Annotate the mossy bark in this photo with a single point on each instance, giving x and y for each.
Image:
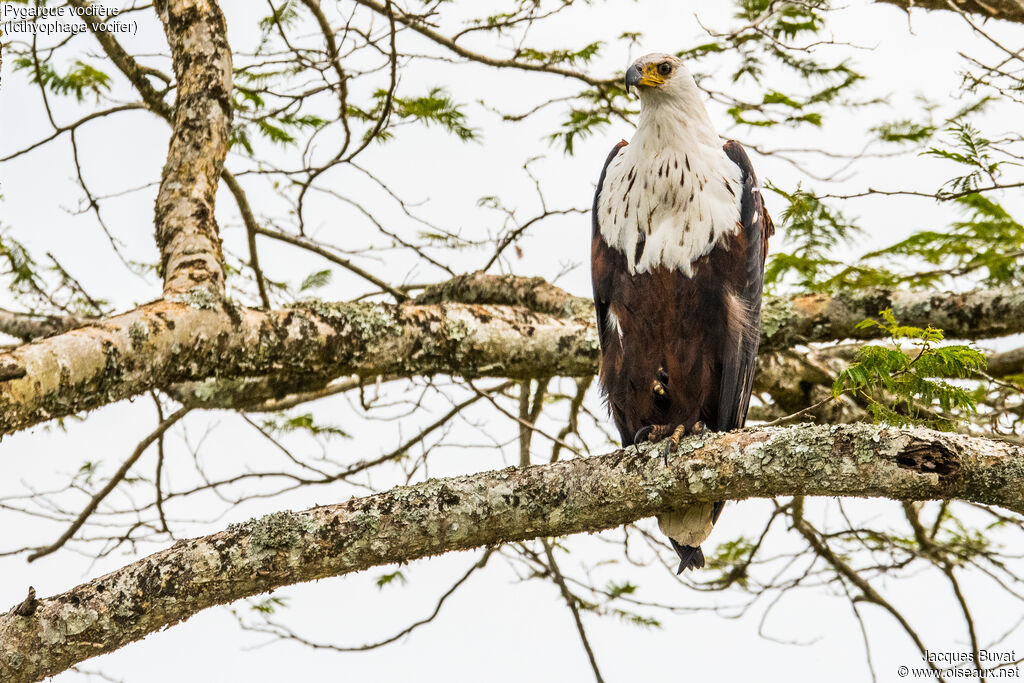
(514, 504)
(186, 230)
(193, 337)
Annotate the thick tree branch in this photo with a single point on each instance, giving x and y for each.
(785, 321)
(509, 290)
(1007, 363)
(193, 337)
(29, 326)
(1009, 10)
(822, 317)
(514, 504)
(186, 230)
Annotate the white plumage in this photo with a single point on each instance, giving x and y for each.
(673, 187)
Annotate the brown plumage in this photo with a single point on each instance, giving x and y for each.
(679, 340)
(670, 323)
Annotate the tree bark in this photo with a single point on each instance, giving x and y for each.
(186, 230)
(514, 504)
(1008, 10)
(193, 336)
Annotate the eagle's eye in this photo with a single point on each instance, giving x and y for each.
(664, 68)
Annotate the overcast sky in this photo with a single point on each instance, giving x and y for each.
(496, 628)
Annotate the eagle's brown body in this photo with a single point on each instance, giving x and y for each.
(679, 322)
(673, 324)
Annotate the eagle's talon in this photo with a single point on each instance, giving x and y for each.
(659, 432)
(652, 433)
(643, 434)
(697, 428)
(677, 434)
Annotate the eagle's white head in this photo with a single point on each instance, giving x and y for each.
(668, 92)
(672, 193)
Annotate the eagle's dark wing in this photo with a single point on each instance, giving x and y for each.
(602, 280)
(740, 356)
(606, 275)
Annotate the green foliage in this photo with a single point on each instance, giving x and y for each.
(283, 15)
(901, 388)
(731, 552)
(731, 560)
(392, 577)
(903, 131)
(280, 128)
(615, 590)
(792, 18)
(770, 52)
(814, 232)
(42, 287)
(968, 148)
(964, 542)
(564, 57)
(436, 108)
(303, 423)
(80, 80)
(989, 242)
(269, 605)
(17, 263)
(635, 619)
(594, 109)
(580, 124)
(85, 473)
(316, 280)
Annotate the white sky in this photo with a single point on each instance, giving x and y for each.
(495, 628)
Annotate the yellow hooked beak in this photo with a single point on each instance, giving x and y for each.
(649, 76)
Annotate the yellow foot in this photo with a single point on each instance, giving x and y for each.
(659, 387)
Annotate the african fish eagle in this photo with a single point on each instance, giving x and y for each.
(680, 234)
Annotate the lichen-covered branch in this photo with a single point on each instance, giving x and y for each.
(509, 290)
(823, 317)
(1007, 363)
(1008, 10)
(29, 326)
(785, 321)
(194, 337)
(186, 230)
(444, 515)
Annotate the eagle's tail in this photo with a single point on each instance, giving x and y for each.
(689, 556)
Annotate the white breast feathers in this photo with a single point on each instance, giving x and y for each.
(667, 200)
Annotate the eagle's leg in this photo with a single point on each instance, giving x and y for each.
(675, 433)
(655, 433)
(672, 442)
(659, 387)
(652, 433)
